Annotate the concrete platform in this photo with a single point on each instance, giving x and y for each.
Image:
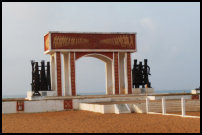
(103, 103)
(195, 91)
(43, 94)
(139, 106)
(142, 90)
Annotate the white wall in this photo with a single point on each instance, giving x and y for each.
(9, 107)
(43, 106)
(34, 106)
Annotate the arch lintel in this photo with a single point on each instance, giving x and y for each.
(105, 55)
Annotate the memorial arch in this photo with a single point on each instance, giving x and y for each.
(114, 49)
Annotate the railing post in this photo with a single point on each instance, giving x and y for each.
(183, 107)
(147, 104)
(163, 106)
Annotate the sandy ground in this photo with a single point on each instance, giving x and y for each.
(90, 122)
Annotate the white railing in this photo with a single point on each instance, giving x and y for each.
(183, 108)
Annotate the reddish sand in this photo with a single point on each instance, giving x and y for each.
(89, 122)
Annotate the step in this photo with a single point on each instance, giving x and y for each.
(121, 108)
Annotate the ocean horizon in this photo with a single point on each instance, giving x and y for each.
(100, 93)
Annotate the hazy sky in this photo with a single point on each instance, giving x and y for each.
(168, 35)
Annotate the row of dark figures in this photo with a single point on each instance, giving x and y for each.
(41, 80)
(40, 77)
(140, 74)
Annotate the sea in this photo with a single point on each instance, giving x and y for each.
(102, 93)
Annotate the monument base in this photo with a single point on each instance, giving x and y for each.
(35, 98)
(95, 103)
(195, 91)
(136, 90)
(43, 94)
(142, 90)
(148, 90)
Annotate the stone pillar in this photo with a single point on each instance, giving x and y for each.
(129, 73)
(126, 73)
(59, 77)
(53, 72)
(122, 74)
(72, 65)
(109, 82)
(67, 84)
(116, 72)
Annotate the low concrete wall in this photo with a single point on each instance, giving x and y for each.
(109, 108)
(34, 106)
(44, 106)
(97, 108)
(47, 105)
(76, 102)
(60, 104)
(91, 107)
(9, 107)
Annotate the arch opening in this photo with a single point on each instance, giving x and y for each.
(90, 76)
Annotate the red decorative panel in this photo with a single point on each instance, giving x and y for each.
(59, 81)
(195, 96)
(20, 105)
(116, 72)
(107, 54)
(73, 85)
(129, 73)
(94, 41)
(68, 104)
